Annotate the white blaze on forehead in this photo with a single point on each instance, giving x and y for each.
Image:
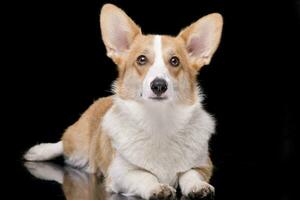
(159, 64)
(157, 70)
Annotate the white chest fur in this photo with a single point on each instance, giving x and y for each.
(161, 138)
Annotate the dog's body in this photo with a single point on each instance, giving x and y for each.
(153, 133)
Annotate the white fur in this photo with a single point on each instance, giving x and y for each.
(130, 180)
(46, 171)
(79, 161)
(192, 182)
(44, 151)
(161, 138)
(52, 172)
(157, 70)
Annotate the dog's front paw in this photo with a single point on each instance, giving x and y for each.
(163, 192)
(201, 190)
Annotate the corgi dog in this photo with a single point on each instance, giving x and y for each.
(151, 136)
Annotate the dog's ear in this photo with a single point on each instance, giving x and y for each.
(118, 31)
(202, 39)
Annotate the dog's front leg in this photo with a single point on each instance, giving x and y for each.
(130, 180)
(193, 184)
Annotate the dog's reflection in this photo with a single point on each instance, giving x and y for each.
(77, 185)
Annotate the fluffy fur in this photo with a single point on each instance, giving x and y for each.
(144, 144)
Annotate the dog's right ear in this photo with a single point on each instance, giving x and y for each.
(118, 31)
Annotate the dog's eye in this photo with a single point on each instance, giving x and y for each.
(142, 60)
(174, 61)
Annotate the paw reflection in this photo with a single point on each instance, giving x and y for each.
(76, 184)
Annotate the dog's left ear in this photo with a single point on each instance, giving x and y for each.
(202, 39)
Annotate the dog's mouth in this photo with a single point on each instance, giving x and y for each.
(159, 98)
(155, 98)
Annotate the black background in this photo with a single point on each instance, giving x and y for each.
(57, 67)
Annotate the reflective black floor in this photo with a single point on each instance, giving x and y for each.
(67, 183)
(49, 180)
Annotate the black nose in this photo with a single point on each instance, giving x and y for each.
(159, 86)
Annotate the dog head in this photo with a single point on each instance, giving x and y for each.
(158, 68)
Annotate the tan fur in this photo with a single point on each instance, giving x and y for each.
(77, 186)
(184, 73)
(173, 46)
(206, 172)
(85, 137)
